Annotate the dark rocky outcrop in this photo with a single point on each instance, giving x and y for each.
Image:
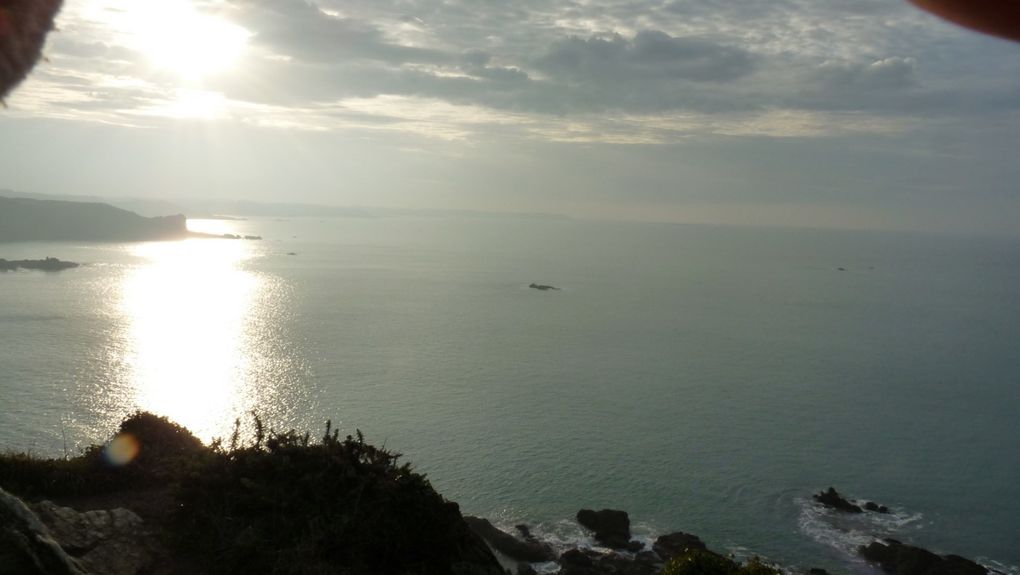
(872, 506)
(901, 559)
(543, 287)
(611, 526)
(528, 551)
(675, 544)
(587, 562)
(832, 499)
(26, 546)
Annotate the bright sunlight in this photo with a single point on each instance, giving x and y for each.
(179, 39)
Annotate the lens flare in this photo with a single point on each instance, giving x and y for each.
(121, 450)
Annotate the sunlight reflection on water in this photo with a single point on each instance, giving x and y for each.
(188, 310)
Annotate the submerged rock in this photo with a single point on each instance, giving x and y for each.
(832, 499)
(611, 526)
(528, 551)
(901, 559)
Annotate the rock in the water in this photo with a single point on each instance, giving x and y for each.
(900, 559)
(611, 527)
(543, 287)
(578, 562)
(528, 551)
(817, 571)
(872, 506)
(831, 498)
(676, 544)
(106, 542)
(26, 545)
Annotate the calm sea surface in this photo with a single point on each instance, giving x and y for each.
(703, 379)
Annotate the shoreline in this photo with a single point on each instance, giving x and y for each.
(141, 474)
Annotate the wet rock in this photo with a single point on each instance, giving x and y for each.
(832, 499)
(527, 551)
(26, 545)
(106, 542)
(675, 544)
(901, 559)
(584, 562)
(611, 527)
(872, 506)
(817, 571)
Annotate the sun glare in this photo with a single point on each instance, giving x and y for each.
(188, 307)
(179, 39)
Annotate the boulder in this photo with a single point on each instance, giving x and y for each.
(527, 551)
(675, 544)
(901, 559)
(106, 542)
(611, 527)
(832, 499)
(26, 545)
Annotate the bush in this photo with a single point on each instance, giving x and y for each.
(701, 562)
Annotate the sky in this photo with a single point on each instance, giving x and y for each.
(823, 113)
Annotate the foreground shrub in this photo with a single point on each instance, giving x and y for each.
(701, 562)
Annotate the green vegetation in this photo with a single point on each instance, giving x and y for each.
(701, 562)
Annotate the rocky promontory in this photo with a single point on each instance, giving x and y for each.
(29, 220)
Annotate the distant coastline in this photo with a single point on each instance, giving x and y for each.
(28, 220)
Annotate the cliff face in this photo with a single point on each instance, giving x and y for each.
(25, 220)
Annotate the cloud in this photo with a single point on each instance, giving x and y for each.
(731, 63)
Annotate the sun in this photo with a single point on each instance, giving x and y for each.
(177, 38)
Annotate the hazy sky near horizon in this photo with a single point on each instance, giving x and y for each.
(849, 113)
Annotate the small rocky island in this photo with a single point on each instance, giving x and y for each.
(48, 265)
(543, 287)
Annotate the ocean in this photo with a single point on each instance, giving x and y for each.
(704, 379)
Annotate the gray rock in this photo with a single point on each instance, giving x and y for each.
(106, 542)
(26, 545)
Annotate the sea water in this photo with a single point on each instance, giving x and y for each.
(704, 379)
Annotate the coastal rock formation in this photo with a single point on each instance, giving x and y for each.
(543, 287)
(611, 526)
(26, 545)
(528, 551)
(901, 559)
(676, 544)
(832, 499)
(872, 506)
(106, 542)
